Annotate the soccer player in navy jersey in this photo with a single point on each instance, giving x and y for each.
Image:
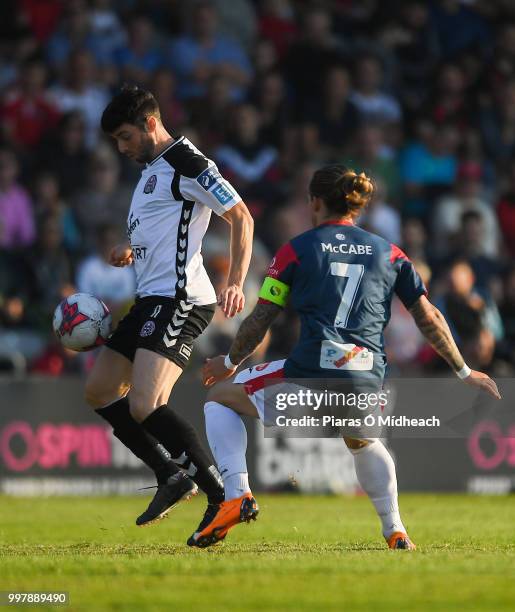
(340, 279)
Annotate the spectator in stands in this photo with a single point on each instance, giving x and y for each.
(466, 311)
(506, 213)
(210, 114)
(414, 239)
(428, 166)
(467, 196)
(497, 122)
(250, 165)
(142, 54)
(381, 218)
(203, 53)
(104, 201)
(237, 20)
(415, 47)
(80, 29)
(277, 24)
(329, 123)
(404, 343)
(449, 103)
(370, 152)
(16, 216)
(164, 87)
(265, 58)
(80, 92)
(64, 153)
(309, 58)
(371, 101)
(469, 245)
(107, 30)
(270, 98)
(115, 286)
(294, 217)
(48, 202)
(28, 112)
(49, 272)
(41, 16)
(459, 27)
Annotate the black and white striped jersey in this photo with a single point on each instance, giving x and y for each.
(168, 217)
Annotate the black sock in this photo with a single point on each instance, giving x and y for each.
(136, 439)
(181, 440)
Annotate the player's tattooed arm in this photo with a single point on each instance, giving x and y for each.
(435, 329)
(252, 331)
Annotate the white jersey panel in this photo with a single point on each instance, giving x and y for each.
(169, 215)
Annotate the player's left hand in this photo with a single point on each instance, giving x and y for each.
(214, 371)
(231, 300)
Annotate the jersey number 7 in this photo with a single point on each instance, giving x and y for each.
(354, 274)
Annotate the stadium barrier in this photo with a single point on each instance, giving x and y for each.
(51, 443)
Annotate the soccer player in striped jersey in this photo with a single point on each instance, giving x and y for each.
(134, 374)
(340, 279)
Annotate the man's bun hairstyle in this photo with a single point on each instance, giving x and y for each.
(132, 105)
(342, 190)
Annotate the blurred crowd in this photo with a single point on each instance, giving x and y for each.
(420, 95)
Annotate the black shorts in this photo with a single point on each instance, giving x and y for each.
(164, 325)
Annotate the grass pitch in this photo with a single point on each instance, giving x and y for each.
(303, 553)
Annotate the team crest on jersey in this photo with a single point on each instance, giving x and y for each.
(147, 329)
(150, 185)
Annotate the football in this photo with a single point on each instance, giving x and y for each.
(82, 322)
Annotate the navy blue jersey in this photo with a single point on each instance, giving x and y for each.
(340, 279)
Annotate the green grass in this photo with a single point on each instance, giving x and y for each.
(303, 553)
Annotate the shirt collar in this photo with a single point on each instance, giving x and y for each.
(165, 150)
(336, 222)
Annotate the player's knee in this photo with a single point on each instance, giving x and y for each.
(92, 394)
(141, 406)
(215, 394)
(355, 444)
(98, 395)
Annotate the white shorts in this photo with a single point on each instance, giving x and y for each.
(270, 377)
(254, 378)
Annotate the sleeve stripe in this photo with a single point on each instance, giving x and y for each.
(397, 253)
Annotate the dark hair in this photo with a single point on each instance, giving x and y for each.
(342, 190)
(131, 105)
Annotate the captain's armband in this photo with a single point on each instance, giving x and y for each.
(274, 291)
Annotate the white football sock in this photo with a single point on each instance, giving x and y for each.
(375, 470)
(227, 438)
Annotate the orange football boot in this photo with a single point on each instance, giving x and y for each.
(400, 541)
(230, 513)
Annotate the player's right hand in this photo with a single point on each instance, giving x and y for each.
(214, 371)
(120, 256)
(483, 381)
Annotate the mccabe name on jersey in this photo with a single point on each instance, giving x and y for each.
(340, 279)
(168, 217)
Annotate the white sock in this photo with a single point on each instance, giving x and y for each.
(227, 438)
(375, 470)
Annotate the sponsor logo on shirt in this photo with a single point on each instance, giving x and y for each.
(139, 252)
(132, 224)
(150, 185)
(211, 180)
(208, 178)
